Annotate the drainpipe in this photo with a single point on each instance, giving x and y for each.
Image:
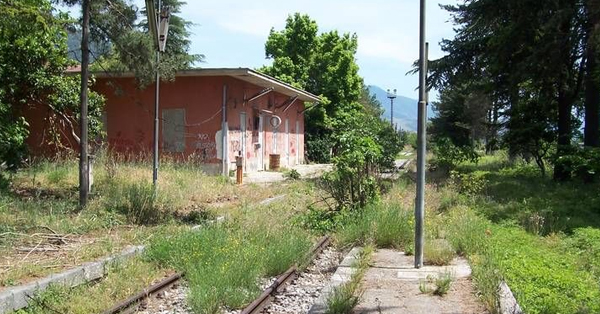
(224, 131)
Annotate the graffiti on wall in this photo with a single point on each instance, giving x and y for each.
(205, 146)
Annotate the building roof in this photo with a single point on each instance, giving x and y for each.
(244, 74)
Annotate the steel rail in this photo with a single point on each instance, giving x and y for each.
(138, 297)
(292, 273)
(258, 305)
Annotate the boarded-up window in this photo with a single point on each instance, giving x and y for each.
(173, 130)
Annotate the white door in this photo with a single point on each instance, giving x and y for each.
(275, 133)
(287, 140)
(261, 143)
(243, 136)
(297, 142)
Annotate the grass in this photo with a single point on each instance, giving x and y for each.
(386, 226)
(537, 235)
(438, 285)
(345, 297)
(224, 262)
(97, 297)
(125, 210)
(438, 253)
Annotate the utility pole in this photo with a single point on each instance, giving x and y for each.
(391, 96)
(421, 143)
(158, 25)
(84, 177)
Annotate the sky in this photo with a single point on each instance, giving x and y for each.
(232, 33)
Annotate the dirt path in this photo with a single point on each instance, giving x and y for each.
(391, 285)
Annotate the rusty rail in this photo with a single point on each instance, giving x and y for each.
(255, 307)
(292, 273)
(154, 289)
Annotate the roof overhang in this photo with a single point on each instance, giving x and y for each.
(244, 74)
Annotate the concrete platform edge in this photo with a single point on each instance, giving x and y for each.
(342, 275)
(18, 297)
(506, 300)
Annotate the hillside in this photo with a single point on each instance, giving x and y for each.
(405, 109)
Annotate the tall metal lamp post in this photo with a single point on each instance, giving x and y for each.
(392, 96)
(421, 142)
(158, 25)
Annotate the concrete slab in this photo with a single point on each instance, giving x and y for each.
(391, 285)
(306, 172)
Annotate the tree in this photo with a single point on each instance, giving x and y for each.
(33, 54)
(592, 75)
(125, 45)
(527, 54)
(323, 64)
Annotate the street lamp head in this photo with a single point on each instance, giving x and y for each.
(391, 95)
(163, 28)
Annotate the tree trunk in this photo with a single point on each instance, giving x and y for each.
(592, 82)
(564, 135)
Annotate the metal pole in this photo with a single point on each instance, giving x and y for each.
(421, 148)
(392, 114)
(83, 119)
(224, 148)
(156, 110)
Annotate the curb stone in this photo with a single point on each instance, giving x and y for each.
(507, 302)
(342, 275)
(18, 297)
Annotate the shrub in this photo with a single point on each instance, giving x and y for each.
(468, 183)
(320, 220)
(140, 203)
(293, 174)
(581, 163)
(448, 155)
(438, 253)
(387, 227)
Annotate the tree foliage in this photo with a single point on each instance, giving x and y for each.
(527, 61)
(128, 45)
(33, 60)
(346, 127)
(323, 64)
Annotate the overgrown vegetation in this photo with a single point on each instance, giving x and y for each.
(521, 76)
(223, 263)
(345, 297)
(96, 297)
(533, 233)
(438, 285)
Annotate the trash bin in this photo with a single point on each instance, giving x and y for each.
(274, 162)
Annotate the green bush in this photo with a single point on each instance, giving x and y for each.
(448, 156)
(581, 163)
(468, 183)
(293, 174)
(320, 220)
(140, 203)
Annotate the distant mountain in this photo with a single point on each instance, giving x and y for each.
(405, 109)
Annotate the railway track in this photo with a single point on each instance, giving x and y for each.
(258, 305)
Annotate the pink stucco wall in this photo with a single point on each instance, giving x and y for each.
(129, 120)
